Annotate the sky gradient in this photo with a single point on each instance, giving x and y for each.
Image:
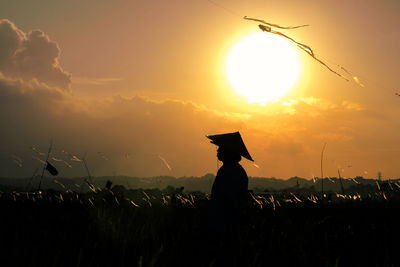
(135, 84)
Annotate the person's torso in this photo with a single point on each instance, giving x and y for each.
(230, 182)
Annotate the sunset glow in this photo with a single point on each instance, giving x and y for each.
(140, 80)
(209, 132)
(263, 67)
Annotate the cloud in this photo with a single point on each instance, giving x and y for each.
(31, 55)
(283, 144)
(350, 105)
(94, 81)
(10, 39)
(30, 97)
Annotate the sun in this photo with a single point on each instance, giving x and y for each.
(263, 67)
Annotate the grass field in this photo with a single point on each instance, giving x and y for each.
(107, 228)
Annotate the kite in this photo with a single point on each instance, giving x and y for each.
(304, 47)
(269, 27)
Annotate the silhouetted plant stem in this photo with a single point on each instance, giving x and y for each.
(322, 170)
(45, 164)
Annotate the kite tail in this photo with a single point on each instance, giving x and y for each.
(355, 78)
(338, 74)
(309, 51)
(276, 25)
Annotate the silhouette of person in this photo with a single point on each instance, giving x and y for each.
(229, 192)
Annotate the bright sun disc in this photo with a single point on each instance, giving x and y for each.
(263, 67)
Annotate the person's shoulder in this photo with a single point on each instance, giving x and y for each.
(221, 170)
(241, 169)
(239, 166)
(227, 169)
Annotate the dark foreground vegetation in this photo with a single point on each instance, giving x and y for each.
(158, 228)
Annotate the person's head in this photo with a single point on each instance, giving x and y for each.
(228, 156)
(231, 147)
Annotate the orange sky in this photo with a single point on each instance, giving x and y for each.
(136, 80)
